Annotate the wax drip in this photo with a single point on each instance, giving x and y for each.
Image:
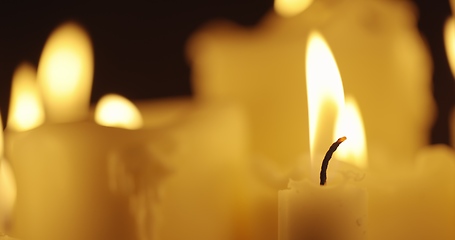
(327, 157)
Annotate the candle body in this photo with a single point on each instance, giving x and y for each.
(183, 171)
(62, 183)
(309, 211)
(414, 201)
(203, 196)
(381, 57)
(63, 178)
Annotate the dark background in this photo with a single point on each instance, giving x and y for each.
(139, 46)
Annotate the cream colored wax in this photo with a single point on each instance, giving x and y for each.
(310, 211)
(200, 194)
(414, 201)
(379, 52)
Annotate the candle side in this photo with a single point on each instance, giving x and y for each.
(310, 211)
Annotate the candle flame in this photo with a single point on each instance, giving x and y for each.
(26, 110)
(325, 93)
(290, 8)
(116, 111)
(449, 40)
(1, 138)
(350, 123)
(65, 74)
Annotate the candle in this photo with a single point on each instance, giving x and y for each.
(204, 161)
(104, 176)
(60, 165)
(415, 201)
(308, 211)
(337, 210)
(7, 188)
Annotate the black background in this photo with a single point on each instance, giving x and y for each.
(139, 45)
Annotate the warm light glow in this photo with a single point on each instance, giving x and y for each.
(65, 74)
(325, 94)
(1, 138)
(116, 111)
(290, 8)
(449, 39)
(26, 109)
(350, 124)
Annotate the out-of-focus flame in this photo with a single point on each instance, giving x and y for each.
(116, 111)
(26, 109)
(350, 124)
(449, 40)
(65, 74)
(290, 8)
(325, 94)
(7, 186)
(1, 138)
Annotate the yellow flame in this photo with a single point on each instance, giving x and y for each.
(350, 124)
(1, 137)
(290, 8)
(26, 109)
(449, 40)
(116, 111)
(65, 74)
(325, 93)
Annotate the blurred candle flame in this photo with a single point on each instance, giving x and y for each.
(325, 94)
(449, 40)
(116, 111)
(290, 8)
(26, 110)
(350, 124)
(65, 74)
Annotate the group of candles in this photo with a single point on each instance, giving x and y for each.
(218, 166)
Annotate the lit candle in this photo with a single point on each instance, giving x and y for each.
(60, 164)
(71, 169)
(337, 210)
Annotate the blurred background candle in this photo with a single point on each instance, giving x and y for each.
(61, 166)
(72, 169)
(7, 189)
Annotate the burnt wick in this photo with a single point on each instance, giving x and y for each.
(327, 157)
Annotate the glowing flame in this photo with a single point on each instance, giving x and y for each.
(449, 39)
(1, 138)
(26, 110)
(350, 124)
(325, 93)
(65, 74)
(116, 111)
(290, 8)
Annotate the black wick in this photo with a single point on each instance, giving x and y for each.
(327, 157)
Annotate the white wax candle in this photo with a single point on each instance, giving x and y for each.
(198, 193)
(414, 201)
(310, 211)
